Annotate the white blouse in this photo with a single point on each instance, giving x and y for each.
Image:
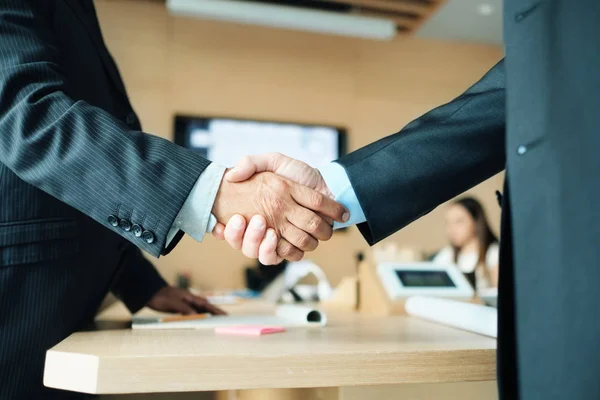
(467, 262)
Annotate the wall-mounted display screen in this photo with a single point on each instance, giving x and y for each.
(227, 140)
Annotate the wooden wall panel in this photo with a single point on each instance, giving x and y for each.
(176, 65)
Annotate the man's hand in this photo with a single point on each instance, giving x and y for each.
(289, 168)
(300, 215)
(253, 239)
(176, 300)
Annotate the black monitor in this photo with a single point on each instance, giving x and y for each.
(422, 278)
(226, 140)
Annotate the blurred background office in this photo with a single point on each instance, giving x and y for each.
(196, 74)
(473, 246)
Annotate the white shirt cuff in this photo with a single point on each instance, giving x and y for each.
(195, 216)
(337, 181)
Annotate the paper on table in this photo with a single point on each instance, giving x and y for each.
(288, 316)
(470, 317)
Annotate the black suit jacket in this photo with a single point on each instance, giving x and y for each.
(536, 111)
(73, 163)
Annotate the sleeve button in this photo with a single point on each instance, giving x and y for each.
(113, 220)
(131, 119)
(125, 225)
(137, 230)
(148, 237)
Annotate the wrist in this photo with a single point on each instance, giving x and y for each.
(220, 205)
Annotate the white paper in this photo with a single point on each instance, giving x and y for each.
(470, 317)
(288, 316)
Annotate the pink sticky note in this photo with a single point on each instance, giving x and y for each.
(248, 330)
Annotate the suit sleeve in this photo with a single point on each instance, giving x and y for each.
(434, 158)
(137, 280)
(76, 152)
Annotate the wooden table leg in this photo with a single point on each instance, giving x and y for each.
(280, 394)
(431, 391)
(486, 390)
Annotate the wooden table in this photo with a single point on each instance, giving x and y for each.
(353, 350)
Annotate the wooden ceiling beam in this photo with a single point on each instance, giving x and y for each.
(408, 23)
(389, 5)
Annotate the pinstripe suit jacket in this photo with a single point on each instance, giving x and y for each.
(81, 187)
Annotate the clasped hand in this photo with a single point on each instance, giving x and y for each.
(287, 202)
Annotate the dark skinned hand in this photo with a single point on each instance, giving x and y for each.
(175, 300)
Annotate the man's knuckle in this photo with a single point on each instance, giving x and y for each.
(304, 241)
(285, 249)
(280, 185)
(277, 206)
(317, 199)
(314, 224)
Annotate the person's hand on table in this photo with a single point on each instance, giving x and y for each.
(277, 207)
(176, 300)
(255, 239)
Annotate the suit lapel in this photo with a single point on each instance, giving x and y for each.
(90, 22)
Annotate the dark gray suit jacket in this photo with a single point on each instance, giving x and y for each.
(538, 112)
(81, 187)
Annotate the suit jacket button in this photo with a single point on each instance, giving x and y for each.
(148, 237)
(137, 230)
(522, 149)
(113, 220)
(125, 225)
(131, 119)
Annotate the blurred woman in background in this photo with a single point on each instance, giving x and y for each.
(473, 246)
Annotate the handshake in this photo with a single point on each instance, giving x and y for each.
(287, 203)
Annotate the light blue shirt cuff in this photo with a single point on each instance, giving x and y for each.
(339, 185)
(195, 216)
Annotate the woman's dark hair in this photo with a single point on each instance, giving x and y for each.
(482, 227)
